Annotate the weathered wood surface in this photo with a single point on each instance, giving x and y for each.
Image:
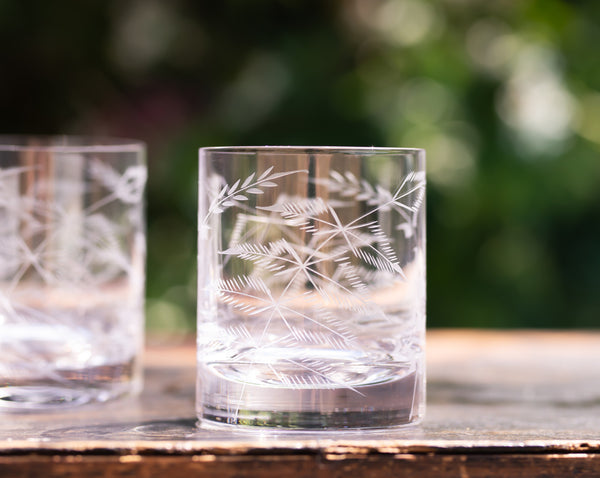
(499, 404)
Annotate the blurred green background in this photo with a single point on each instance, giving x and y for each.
(504, 95)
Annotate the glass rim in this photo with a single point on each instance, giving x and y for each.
(312, 149)
(69, 143)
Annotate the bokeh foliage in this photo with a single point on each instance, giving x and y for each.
(504, 95)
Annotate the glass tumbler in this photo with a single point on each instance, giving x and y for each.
(72, 270)
(311, 287)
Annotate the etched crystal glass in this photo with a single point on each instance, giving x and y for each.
(72, 270)
(311, 287)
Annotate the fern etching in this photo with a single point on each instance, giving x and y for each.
(300, 262)
(62, 242)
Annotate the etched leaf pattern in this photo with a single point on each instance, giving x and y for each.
(59, 241)
(315, 264)
(231, 195)
(406, 200)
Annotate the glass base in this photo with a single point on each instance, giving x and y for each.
(392, 403)
(42, 398)
(70, 388)
(48, 398)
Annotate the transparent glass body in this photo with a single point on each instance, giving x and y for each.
(311, 287)
(72, 270)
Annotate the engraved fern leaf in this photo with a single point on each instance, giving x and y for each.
(232, 195)
(247, 294)
(308, 337)
(317, 373)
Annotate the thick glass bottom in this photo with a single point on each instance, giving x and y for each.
(69, 388)
(391, 402)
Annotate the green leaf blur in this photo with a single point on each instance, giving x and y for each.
(505, 97)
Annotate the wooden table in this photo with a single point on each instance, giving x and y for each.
(521, 404)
